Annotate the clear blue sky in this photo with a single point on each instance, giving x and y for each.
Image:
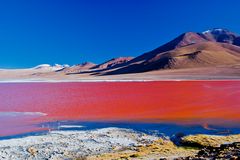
(72, 31)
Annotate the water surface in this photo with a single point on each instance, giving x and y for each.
(24, 106)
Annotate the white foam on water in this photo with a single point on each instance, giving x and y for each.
(71, 126)
(16, 114)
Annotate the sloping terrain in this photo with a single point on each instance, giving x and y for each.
(113, 62)
(215, 47)
(203, 54)
(78, 68)
(220, 35)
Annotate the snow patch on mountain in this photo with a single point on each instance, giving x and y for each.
(51, 67)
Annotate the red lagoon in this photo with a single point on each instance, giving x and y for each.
(130, 101)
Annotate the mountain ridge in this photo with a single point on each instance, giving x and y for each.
(159, 59)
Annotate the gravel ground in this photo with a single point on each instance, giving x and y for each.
(71, 144)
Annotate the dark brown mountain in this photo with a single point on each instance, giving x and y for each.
(182, 40)
(203, 54)
(190, 50)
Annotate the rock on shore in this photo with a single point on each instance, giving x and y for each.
(225, 151)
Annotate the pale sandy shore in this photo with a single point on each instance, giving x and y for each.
(33, 75)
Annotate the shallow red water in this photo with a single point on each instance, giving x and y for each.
(163, 100)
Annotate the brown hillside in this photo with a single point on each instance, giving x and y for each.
(196, 55)
(113, 62)
(78, 68)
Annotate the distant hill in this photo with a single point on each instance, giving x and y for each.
(78, 68)
(50, 67)
(220, 35)
(113, 62)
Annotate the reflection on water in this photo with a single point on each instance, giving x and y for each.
(20, 114)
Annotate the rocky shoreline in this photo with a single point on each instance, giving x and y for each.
(117, 143)
(71, 144)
